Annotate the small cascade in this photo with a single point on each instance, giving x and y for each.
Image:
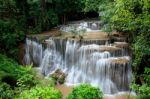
(99, 68)
(33, 52)
(95, 61)
(88, 26)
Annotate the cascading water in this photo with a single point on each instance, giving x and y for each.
(33, 52)
(87, 26)
(96, 62)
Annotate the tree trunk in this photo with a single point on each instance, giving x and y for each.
(43, 5)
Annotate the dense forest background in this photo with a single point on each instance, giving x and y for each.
(19, 18)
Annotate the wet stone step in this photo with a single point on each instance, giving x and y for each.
(119, 39)
(121, 44)
(113, 50)
(121, 60)
(95, 47)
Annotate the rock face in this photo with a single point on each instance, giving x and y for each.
(94, 59)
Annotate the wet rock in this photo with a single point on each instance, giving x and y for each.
(119, 39)
(59, 76)
(120, 61)
(121, 44)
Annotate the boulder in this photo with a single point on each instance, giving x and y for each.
(59, 76)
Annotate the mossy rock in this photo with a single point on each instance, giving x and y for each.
(59, 76)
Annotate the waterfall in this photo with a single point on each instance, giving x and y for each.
(33, 52)
(97, 62)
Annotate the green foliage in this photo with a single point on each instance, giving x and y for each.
(141, 47)
(26, 81)
(42, 18)
(91, 5)
(70, 6)
(5, 91)
(132, 15)
(147, 75)
(40, 93)
(48, 13)
(15, 75)
(143, 89)
(143, 97)
(11, 34)
(123, 16)
(9, 66)
(18, 18)
(15, 78)
(11, 28)
(44, 82)
(85, 91)
(106, 10)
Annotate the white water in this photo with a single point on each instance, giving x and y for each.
(33, 52)
(83, 62)
(90, 26)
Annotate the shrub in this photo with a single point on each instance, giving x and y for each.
(48, 81)
(18, 77)
(85, 91)
(147, 75)
(143, 89)
(26, 81)
(10, 80)
(11, 34)
(5, 91)
(143, 97)
(9, 66)
(40, 93)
